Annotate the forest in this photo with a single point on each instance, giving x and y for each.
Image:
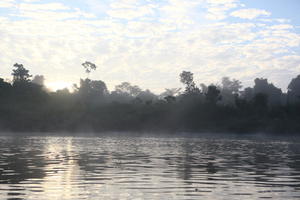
(26, 105)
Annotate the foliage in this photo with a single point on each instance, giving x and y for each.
(294, 90)
(212, 95)
(187, 79)
(20, 73)
(27, 106)
(89, 66)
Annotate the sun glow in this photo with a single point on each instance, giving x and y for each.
(58, 85)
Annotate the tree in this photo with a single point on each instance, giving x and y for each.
(229, 90)
(170, 99)
(187, 79)
(88, 66)
(126, 88)
(294, 90)
(147, 96)
(203, 88)
(4, 88)
(89, 88)
(172, 92)
(248, 94)
(260, 101)
(38, 79)
(212, 95)
(273, 93)
(231, 86)
(20, 74)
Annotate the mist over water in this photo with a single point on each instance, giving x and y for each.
(129, 167)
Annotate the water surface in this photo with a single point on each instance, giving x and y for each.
(131, 167)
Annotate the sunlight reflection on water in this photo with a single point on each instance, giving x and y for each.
(148, 168)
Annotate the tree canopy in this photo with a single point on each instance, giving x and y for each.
(27, 105)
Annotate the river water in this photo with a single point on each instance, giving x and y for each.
(130, 167)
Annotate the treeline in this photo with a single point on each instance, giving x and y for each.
(27, 106)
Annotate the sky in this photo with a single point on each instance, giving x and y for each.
(150, 42)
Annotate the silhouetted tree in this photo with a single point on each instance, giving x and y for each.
(92, 90)
(4, 85)
(241, 103)
(294, 90)
(212, 95)
(273, 93)
(260, 101)
(88, 66)
(187, 79)
(248, 94)
(26, 106)
(5, 91)
(20, 74)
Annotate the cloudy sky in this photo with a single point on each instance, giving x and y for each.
(149, 42)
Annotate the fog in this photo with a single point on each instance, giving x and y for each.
(26, 105)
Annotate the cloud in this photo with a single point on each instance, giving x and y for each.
(42, 7)
(281, 26)
(31, 1)
(49, 11)
(221, 1)
(249, 13)
(146, 42)
(7, 3)
(217, 9)
(130, 13)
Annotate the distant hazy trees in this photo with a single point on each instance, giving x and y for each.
(260, 101)
(125, 88)
(5, 88)
(169, 95)
(38, 79)
(126, 92)
(92, 90)
(213, 95)
(231, 86)
(273, 94)
(294, 90)
(25, 105)
(229, 90)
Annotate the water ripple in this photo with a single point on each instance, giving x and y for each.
(47, 168)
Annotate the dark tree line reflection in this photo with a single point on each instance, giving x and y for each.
(26, 105)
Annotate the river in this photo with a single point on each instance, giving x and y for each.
(149, 167)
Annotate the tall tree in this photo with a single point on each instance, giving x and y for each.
(89, 66)
(20, 74)
(187, 79)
